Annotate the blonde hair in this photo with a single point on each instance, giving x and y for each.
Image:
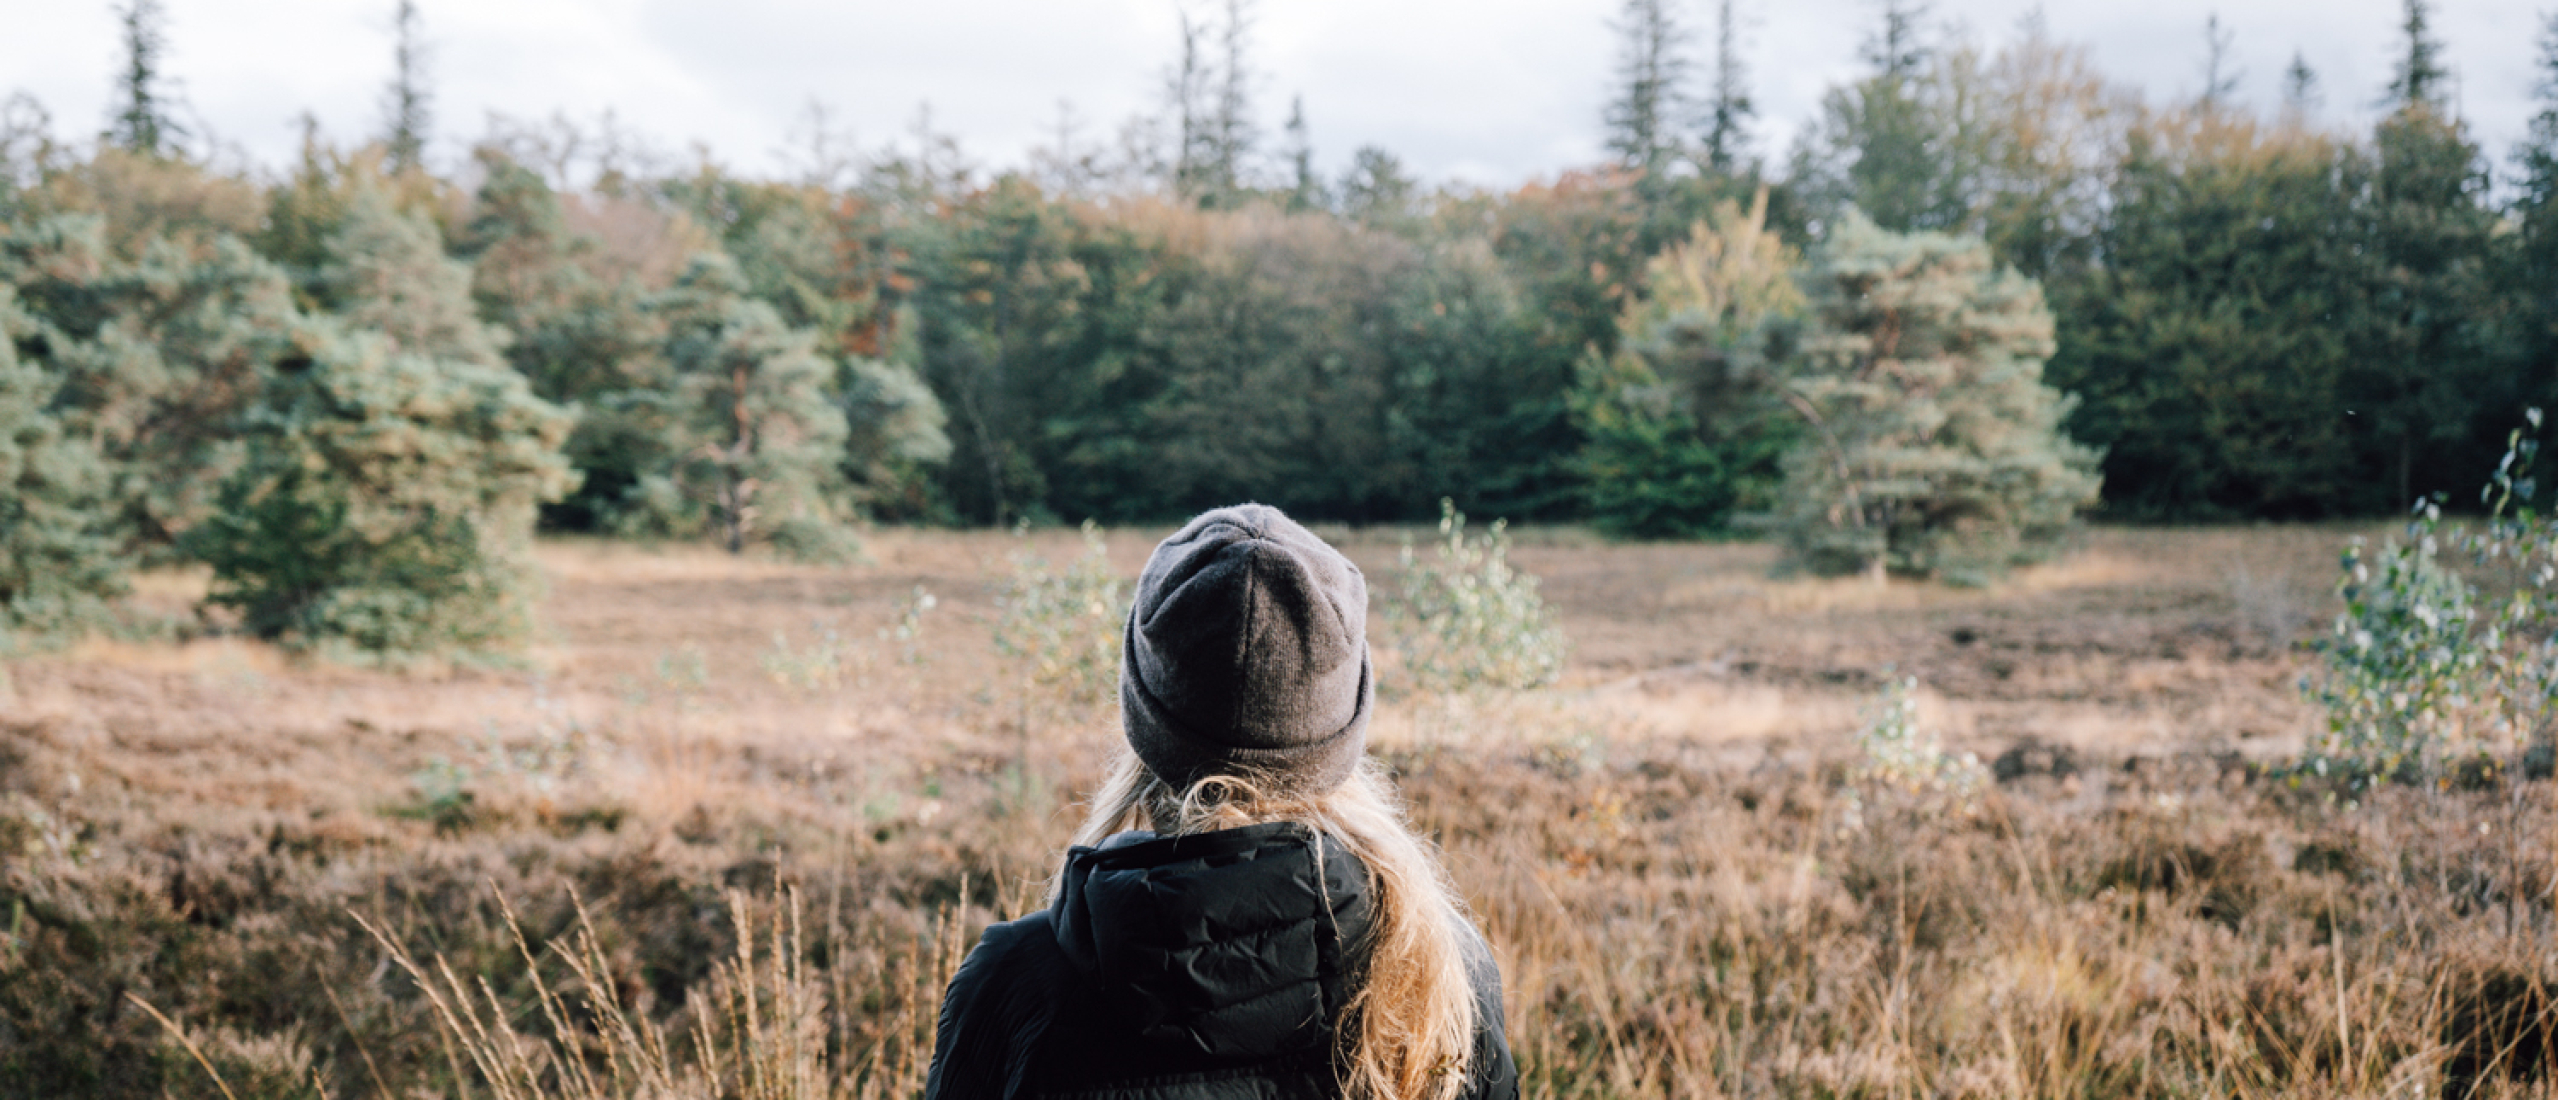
(1407, 1032)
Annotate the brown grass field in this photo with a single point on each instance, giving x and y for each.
(1688, 896)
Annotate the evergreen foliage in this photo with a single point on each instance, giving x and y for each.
(1887, 145)
(1684, 426)
(405, 104)
(386, 502)
(2212, 350)
(1643, 118)
(1729, 109)
(1934, 446)
(750, 444)
(145, 113)
(155, 358)
(2417, 77)
(387, 272)
(59, 554)
(2259, 318)
(2534, 267)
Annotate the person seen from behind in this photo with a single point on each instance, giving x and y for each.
(1244, 912)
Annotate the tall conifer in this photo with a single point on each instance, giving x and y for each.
(406, 102)
(1933, 446)
(1651, 74)
(1728, 113)
(145, 111)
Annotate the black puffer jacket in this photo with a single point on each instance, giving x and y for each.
(1210, 966)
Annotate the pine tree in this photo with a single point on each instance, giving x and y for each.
(1888, 145)
(1932, 445)
(405, 103)
(2425, 368)
(157, 357)
(754, 441)
(60, 556)
(1728, 115)
(385, 507)
(387, 272)
(1643, 116)
(145, 113)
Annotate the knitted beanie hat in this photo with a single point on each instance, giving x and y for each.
(1247, 654)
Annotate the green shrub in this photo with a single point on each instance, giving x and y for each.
(385, 504)
(1894, 751)
(1064, 624)
(2422, 670)
(1464, 619)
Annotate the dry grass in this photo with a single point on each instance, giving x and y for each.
(1685, 898)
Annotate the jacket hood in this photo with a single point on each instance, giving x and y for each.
(1229, 944)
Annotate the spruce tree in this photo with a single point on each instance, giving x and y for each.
(2426, 365)
(1644, 113)
(2417, 77)
(405, 104)
(1887, 144)
(1932, 446)
(1729, 111)
(145, 112)
(2214, 348)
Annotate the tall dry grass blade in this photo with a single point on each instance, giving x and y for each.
(372, 1069)
(450, 1029)
(181, 1036)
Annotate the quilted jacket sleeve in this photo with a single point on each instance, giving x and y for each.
(991, 1019)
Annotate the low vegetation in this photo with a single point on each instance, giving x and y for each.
(651, 847)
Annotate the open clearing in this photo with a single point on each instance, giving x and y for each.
(1686, 896)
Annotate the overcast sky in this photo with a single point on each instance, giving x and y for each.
(1483, 91)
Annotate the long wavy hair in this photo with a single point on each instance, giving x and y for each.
(1408, 1030)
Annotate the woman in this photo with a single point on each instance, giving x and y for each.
(1244, 913)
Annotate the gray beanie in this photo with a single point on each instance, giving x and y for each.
(1247, 654)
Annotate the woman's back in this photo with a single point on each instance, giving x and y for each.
(1211, 965)
(1290, 935)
